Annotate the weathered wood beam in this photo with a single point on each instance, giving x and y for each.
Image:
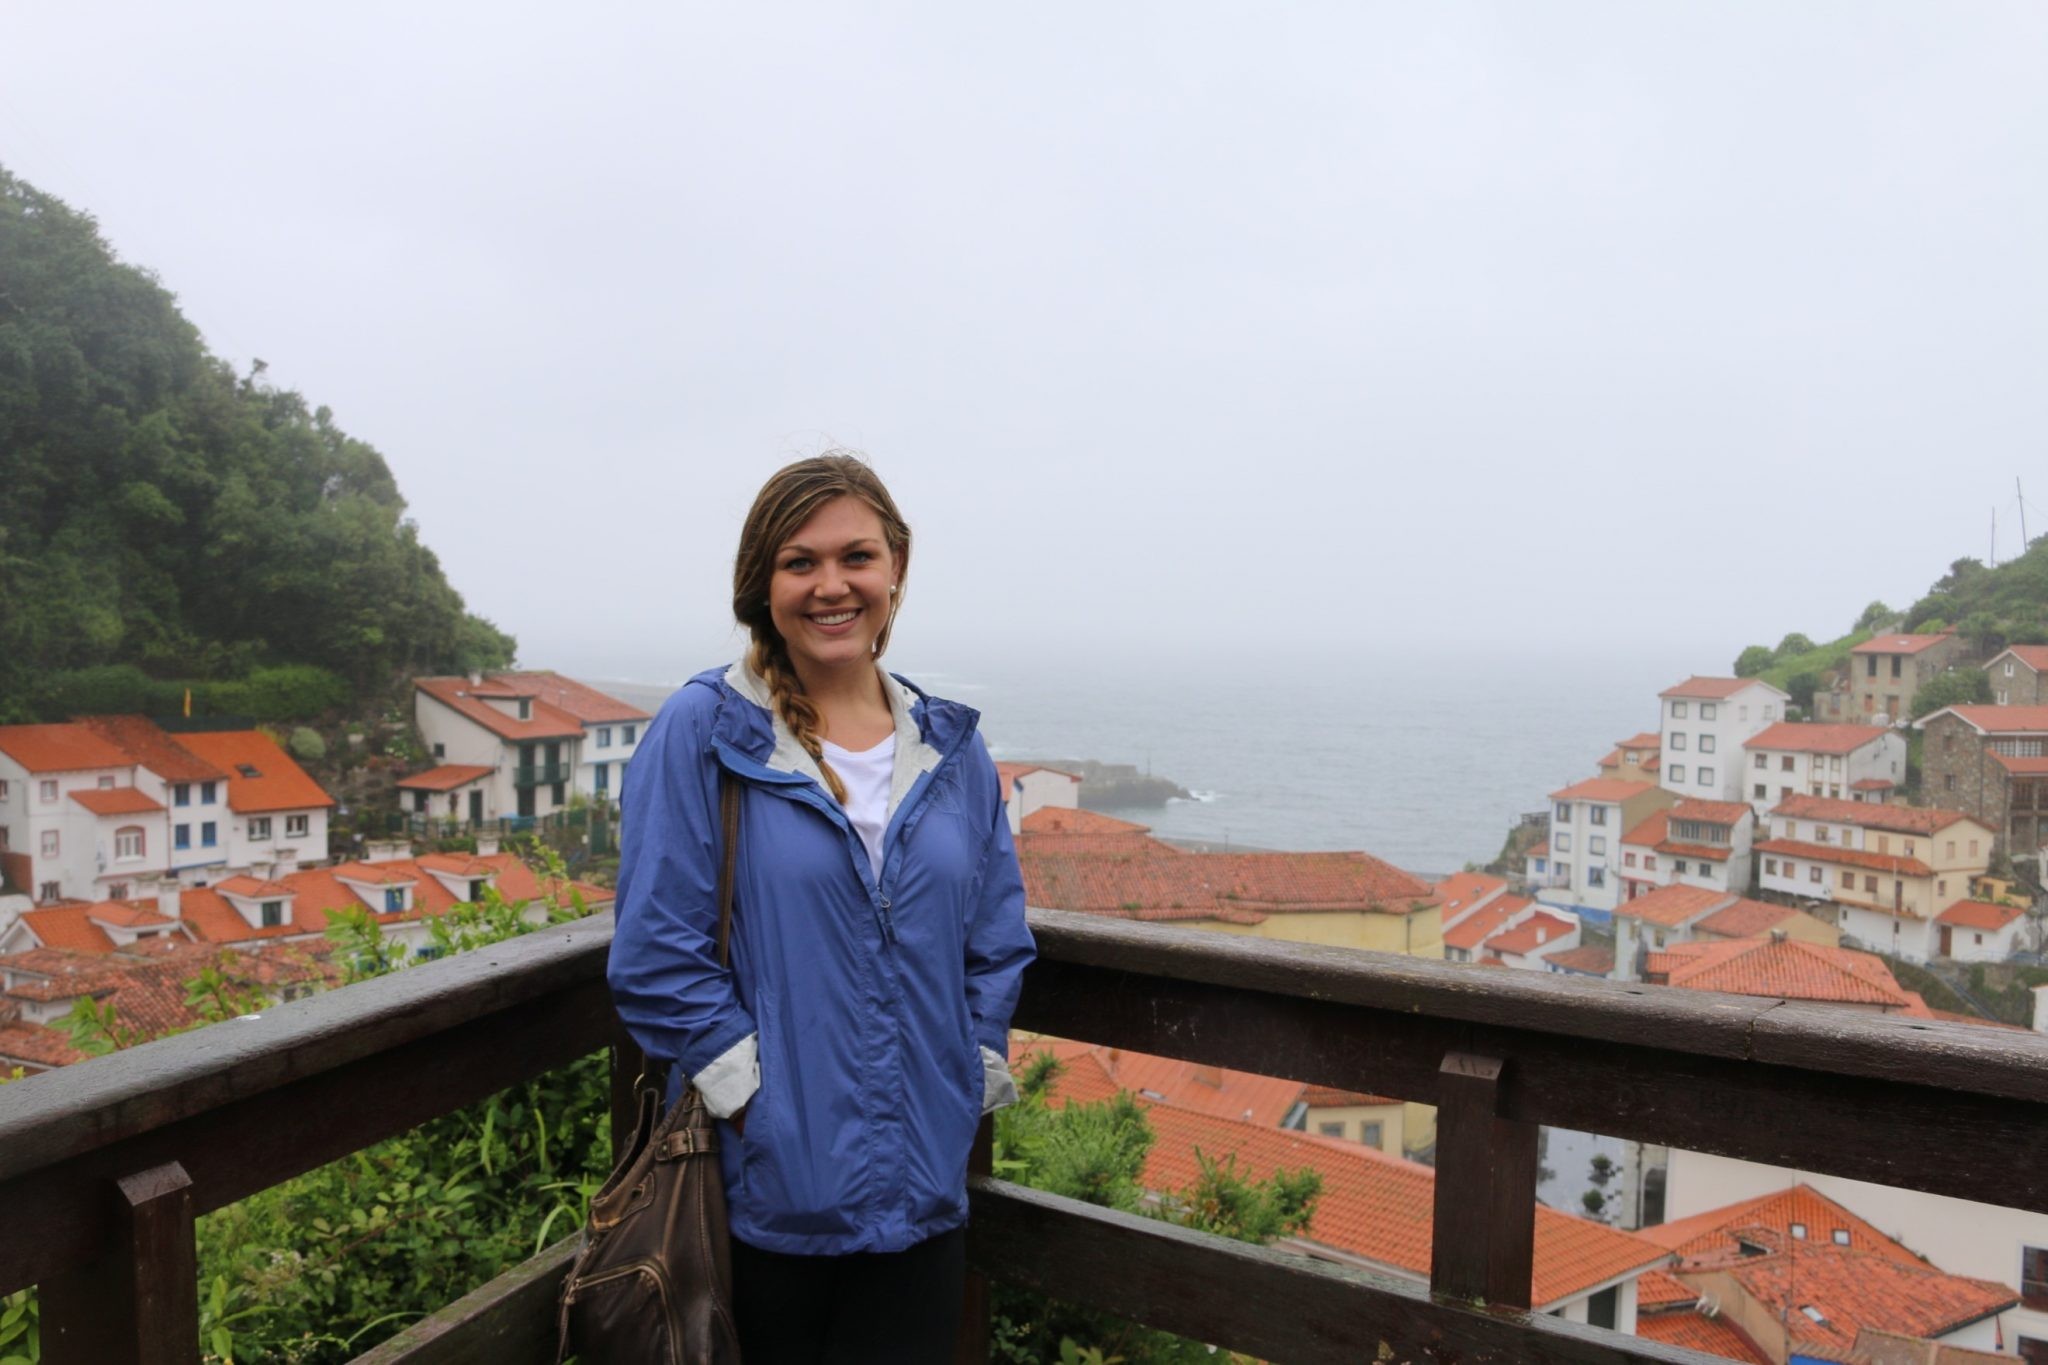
(138, 1302)
(1483, 1235)
(510, 1321)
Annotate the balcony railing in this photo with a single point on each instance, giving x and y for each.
(540, 774)
(104, 1166)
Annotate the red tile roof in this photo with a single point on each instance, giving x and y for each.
(1233, 886)
(127, 915)
(249, 888)
(1713, 1236)
(2033, 766)
(1061, 820)
(1872, 784)
(66, 926)
(145, 742)
(1242, 1095)
(1538, 850)
(116, 801)
(59, 748)
(1671, 907)
(398, 872)
(1902, 644)
(1330, 1097)
(2033, 656)
(1809, 738)
(2000, 720)
(1785, 969)
(1711, 812)
(461, 696)
(1851, 1290)
(1660, 1289)
(1713, 689)
(1460, 891)
(1608, 789)
(1592, 961)
(1746, 919)
(1716, 1336)
(1008, 773)
(579, 700)
(1979, 915)
(1651, 831)
(1531, 934)
(37, 1045)
(1646, 739)
(1712, 853)
(457, 864)
(1473, 930)
(278, 784)
(1868, 814)
(1837, 856)
(447, 777)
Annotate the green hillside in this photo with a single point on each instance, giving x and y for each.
(163, 516)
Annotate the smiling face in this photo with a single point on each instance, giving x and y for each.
(828, 596)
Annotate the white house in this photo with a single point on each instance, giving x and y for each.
(543, 736)
(1658, 919)
(1979, 931)
(1704, 722)
(1587, 820)
(1028, 787)
(1857, 762)
(276, 814)
(68, 843)
(1530, 941)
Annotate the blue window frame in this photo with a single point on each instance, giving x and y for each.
(207, 791)
(181, 837)
(630, 731)
(181, 794)
(209, 835)
(394, 899)
(601, 777)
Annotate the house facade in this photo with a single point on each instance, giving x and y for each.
(544, 737)
(1885, 672)
(1029, 787)
(1992, 762)
(1587, 821)
(2019, 676)
(1856, 762)
(1704, 724)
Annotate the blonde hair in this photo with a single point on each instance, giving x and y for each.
(789, 499)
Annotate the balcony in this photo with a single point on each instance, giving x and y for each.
(104, 1166)
(540, 775)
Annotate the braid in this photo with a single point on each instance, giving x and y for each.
(793, 706)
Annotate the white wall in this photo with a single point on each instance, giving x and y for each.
(1723, 724)
(1900, 935)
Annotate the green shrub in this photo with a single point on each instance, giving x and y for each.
(306, 744)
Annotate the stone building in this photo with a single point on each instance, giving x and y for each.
(1991, 762)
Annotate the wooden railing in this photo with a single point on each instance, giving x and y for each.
(104, 1166)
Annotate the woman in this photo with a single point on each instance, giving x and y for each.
(878, 935)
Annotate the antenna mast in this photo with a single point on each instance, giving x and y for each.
(2023, 512)
(1994, 537)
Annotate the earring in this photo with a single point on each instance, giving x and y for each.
(892, 590)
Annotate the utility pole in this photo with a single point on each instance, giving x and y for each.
(1994, 537)
(2023, 512)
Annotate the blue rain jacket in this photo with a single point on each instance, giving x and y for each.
(869, 999)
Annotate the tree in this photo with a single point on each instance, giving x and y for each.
(1753, 661)
(1874, 615)
(1802, 685)
(1794, 645)
(1957, 687)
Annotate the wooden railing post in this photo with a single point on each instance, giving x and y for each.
(971, 1346)
(138, 1304)
(1484, 1240)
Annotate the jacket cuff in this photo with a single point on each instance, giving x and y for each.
(998, 1086)
(730, 1080)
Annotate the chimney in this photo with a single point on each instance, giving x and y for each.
(386, 850)
(260, 869)
(287, 863)
(168, 889)
(486, 845)
(476, 679)
(1114, 1056)
(1778, 936)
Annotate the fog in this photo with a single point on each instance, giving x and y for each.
(1179, 330)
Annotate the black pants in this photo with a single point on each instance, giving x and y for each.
(869, 1308)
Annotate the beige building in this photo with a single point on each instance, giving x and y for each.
(1885, 672)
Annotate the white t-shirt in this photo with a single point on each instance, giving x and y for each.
(867, 776)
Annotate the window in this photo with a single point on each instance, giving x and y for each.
(1596, 876)
(209, 835)
(1564, 813)
(49, 843)
(1840, 1237)
(1678, 710)
(47, 790)
(1742, 711)
(629, 733)
(1799, 1232)
(1602, 1308)
(118, 891)
(1976, 938)
(1821, 835)
(1941, 887)
(259, 827)
(128, 843)
(1706, 872)
(1869, 884)
(6, 789)
(2008, 668)
(1678, 865)
(209, 792)
(604, 736)
(1771, 867)
(1649, 862)
(106, 784)
(1813, 874)
(1335, 1130)
(1706, 744)
(181, 794)
(1785, 763)
(1848, 879)
(525, 709)
(1897, 659)
(1884, 843)
(1706, 777)
(440, 751)
(1948, 782)
(1564, 875)
(1678, 739)
(1909, 848)
(2034, 1350)
(2034, 1278)
(1871, 670)
(5, 840)
(295, 826)
(1628, 860)
(1596, 815)
(1707, 710)
(1784, 792)
(1370, 1134)
(1770, 710)
(273, 914)
(1951, 848)
(2002, 695)
(1761, 792)
(394, 899)
(52, 891)
(601, 777)
(181, 836)
(1678, 772)
(1596, 844)
(1761, 763)
(1789, 829)
(1563, 843)
(1973, 848)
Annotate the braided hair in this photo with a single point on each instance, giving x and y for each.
(789, 499)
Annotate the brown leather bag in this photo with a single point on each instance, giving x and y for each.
(653, 1283)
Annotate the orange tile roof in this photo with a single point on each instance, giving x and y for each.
(1246, 886)
(1660, 1289)
(278, 784)
(1473, 930)
(1717, 1336)
(1902, 644)
(1711, 812)
(250, 888)
(1872, 784)
(457, 864)
(116, 801)
(1008, 773)
(1837, 856)
(37, 1045)
(1869, 814)
(1712, 853)
(59, 748)
(1806, 737)
(1651, 831)
(126, 915)
(1708, 689)
(1592, 961)
(2000, 720)
(1852, 1290)
(580, 700)
(1673, 906)
(460, 696)
(1531, 934)
(1330, 1097)
(1783, 969)
(1061, 820)
(1746, 919)
(2033, 656)
(397, 872)
(1458, 892)
(1380, 1207)
(145, 742)
(1646, 739)
(2018, 766)
(1539, 850)
(1980, 915)
(1608, 789)
(447, 777)
(66, 926)
(1711, 1237)
(1218, 1091)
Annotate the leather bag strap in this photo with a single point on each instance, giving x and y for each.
(729, 812)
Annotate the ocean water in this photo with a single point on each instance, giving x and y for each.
(1420, 760)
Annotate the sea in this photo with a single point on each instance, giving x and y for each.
(1421, 759)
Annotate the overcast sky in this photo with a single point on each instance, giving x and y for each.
(1582, 328)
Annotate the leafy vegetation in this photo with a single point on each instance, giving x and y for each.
(1991, 608)
(166, 514)
(1957, 687)
(1096, 1153)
